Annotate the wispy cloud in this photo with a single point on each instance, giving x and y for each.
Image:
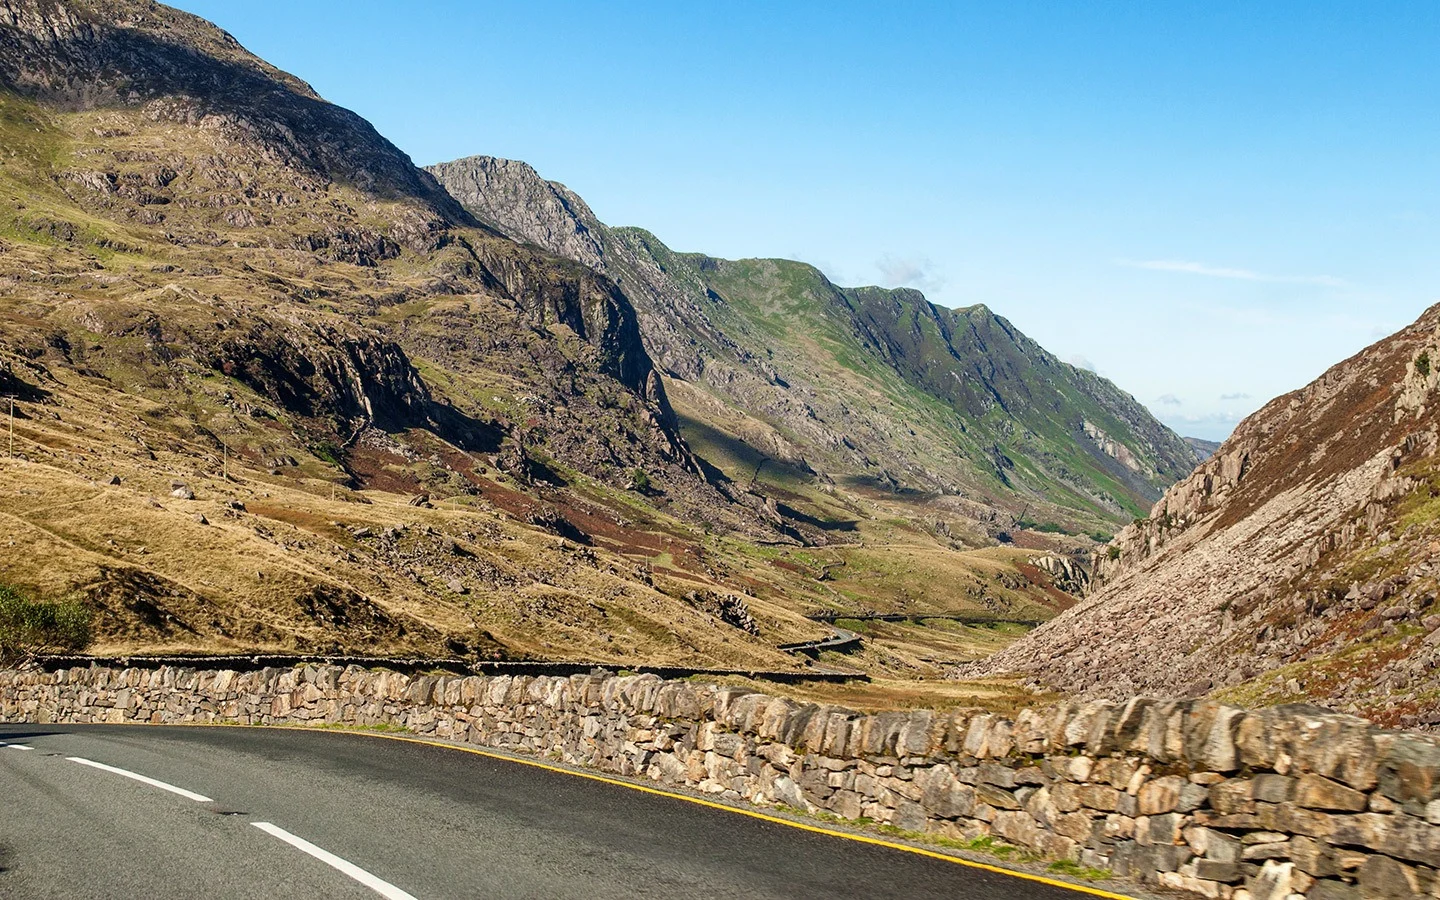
(1234, 396)
(1081, 362)
(1170, 400)
(1185, 267)
(910, 271)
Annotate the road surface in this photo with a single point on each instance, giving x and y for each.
(218, 812)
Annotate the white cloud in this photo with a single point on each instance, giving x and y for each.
(1235, 396)
(1170, 400)
(1194, 268)
(913, 272)
(1081, 362)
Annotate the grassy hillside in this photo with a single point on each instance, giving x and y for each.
(276, 391)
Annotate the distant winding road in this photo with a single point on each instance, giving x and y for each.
(219, 813)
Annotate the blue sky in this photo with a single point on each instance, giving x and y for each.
(1209, 203)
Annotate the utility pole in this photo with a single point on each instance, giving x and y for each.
(12, 427)
(225, 465)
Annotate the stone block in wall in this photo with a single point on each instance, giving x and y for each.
(999, 798)
(1258, 852)
(918, 737)
(996, 774)
(1410, 770)
(1127, 726)
(989, 737)
(1166, 829)
(1319, 792)
(1156, 858)
(1217, 870)
(1083, 721)
(838, 726)
(1212, 844)
(1312, 857)
(1410, 839)
(1098, 797)
(1115, 771)
(846, 804)
(880, 733)
(775, 718)
(1100, 737)
(1029, 732)
(1382, 876)
(943, 795)
(909, 816)
(1330, 889)
(1310, 739)
(1210, 729)
(1078, 826)
(1016, 827)
(1118, 827)
(1065, 796)
(1235, 795)
(1274, 881)
(1161, 795)
(1268, 787)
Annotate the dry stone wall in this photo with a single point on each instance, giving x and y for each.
(1250, 805)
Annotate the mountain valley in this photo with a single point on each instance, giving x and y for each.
(239, 326)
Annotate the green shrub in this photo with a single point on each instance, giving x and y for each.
(329, 453)
(1112, 552)
(31, 628)
(1422, 364)
(639, 481)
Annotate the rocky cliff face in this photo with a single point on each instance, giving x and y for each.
(875, 386)
(1299, 561)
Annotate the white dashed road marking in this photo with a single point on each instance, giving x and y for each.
(143, 779)
(376, 884)
(379, 886)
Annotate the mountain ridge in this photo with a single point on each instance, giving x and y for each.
(724, 327)
(1299, 562)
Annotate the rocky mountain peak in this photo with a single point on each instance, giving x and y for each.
(511, 196)
(175, 67)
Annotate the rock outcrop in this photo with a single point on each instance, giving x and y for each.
(1300, 561)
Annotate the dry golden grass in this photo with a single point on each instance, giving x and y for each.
(287, 572)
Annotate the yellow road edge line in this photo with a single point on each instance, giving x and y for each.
(710, 804)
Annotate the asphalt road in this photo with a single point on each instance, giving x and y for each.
(342, 815)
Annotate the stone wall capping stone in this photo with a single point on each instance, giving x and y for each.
(1198, 797)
